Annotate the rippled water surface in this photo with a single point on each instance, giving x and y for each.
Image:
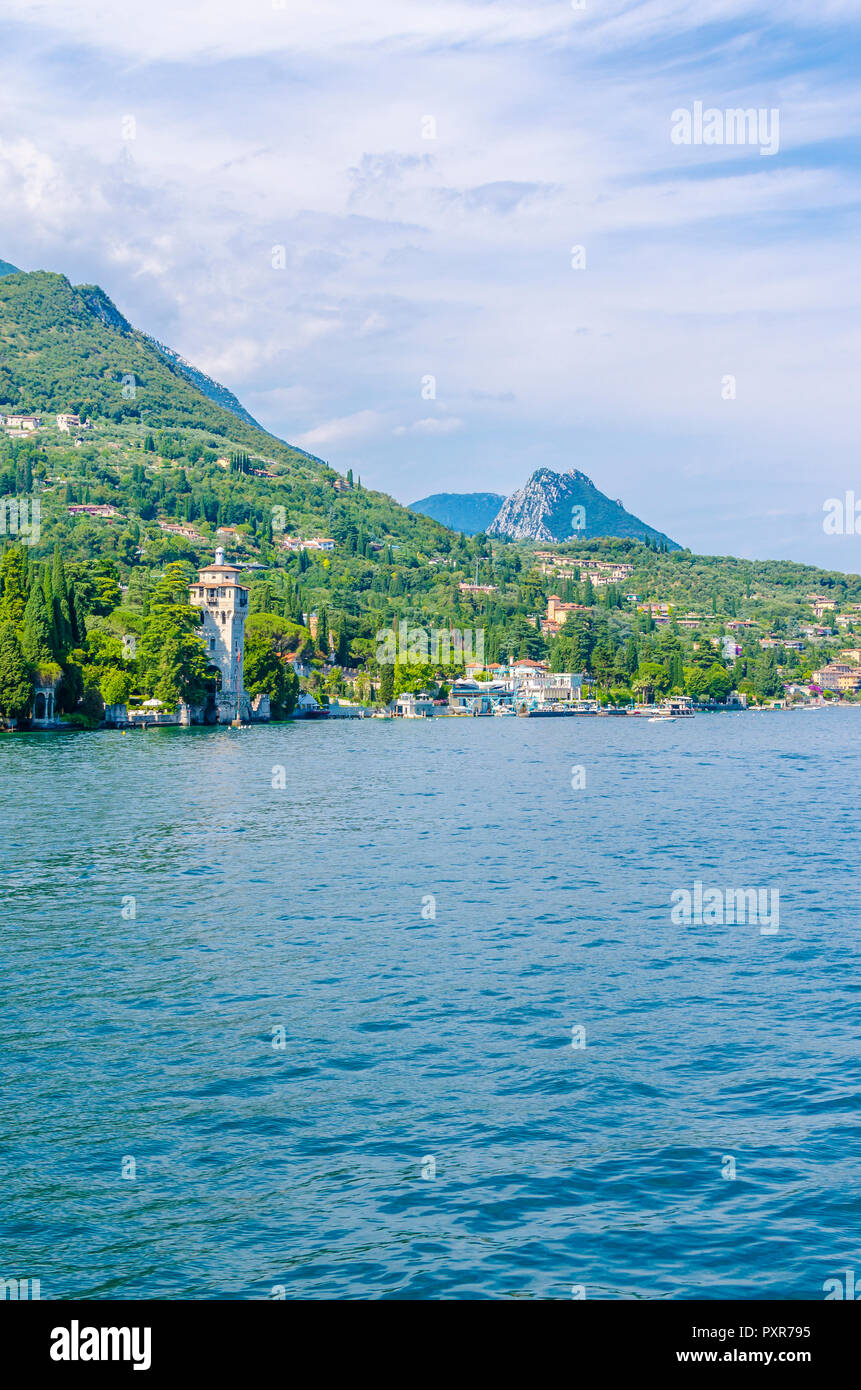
(409, 1037)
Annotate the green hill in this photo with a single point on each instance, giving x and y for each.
(67, 348)
(160, 473)
(213, 389)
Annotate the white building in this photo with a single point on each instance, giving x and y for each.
(550, 687)
(410, 706)
(224, 602)
(306, 706)
(24, 424)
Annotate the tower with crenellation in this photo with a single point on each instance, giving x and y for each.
(224, 602)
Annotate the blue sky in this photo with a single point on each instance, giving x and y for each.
(164, 151)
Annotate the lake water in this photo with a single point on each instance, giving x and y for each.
(418, 1044)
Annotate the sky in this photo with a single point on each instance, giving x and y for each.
(445, 244)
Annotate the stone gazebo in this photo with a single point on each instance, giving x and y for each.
(43, 714)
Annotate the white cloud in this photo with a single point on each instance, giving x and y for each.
(434, 424)
(346, 430)
(406, 257)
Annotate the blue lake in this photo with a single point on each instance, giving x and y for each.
(427, 909)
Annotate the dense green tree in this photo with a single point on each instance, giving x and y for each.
(652, 677)
(766, 677)
(526, 641)
(13, 586)
(16, 687)
(266, 673)
(676, 672)
(718, 682)
(37, 636)
(172, 587)
(62, 613)
(387, 684)
(262, 597)
(172, 661)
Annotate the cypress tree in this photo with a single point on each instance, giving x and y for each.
(76, 618)
(677, 674)
(62, 609)
(387, 684)
(38, 631)
(16, 688)
(13, 585)
(48, 591)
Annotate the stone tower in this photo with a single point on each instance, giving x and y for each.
(224, 602)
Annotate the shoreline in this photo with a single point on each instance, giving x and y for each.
(648, 714)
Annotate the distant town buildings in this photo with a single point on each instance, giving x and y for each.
(100, 509)
(22, 424)
(838, 676)
(600, 572)
(176, 528)
(820, 603)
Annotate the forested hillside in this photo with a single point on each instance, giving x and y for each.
(134, 500)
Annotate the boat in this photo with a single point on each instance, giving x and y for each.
(504, 712)
(662, 719)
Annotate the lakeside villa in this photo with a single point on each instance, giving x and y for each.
(520, 686)
(223, 601)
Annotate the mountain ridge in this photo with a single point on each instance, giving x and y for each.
(216, 392)
(69, 348)
(568, 506)
(468, 512)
